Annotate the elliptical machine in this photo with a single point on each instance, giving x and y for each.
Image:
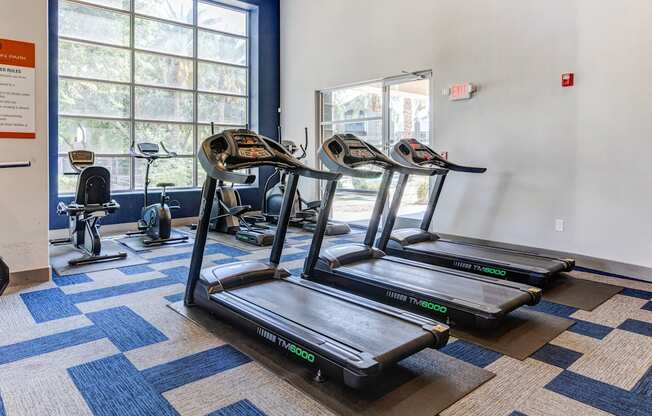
(92, 202)
(304, 213)
(229, 216)
(156, 219)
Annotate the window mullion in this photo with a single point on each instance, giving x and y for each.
(195, 98)
(132, 46)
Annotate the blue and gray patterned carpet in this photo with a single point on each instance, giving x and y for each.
(105, 343)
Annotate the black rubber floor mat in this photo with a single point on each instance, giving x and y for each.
(521, 333)
(579, 293)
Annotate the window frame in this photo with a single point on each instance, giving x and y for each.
(134, 188)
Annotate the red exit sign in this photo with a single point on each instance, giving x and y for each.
(461, 91)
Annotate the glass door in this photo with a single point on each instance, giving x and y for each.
(357, 110)
(381, 113)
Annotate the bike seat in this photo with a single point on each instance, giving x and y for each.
(239, 210)
(164, 184)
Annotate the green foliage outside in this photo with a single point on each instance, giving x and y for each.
(165, 114)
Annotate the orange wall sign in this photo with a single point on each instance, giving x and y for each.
(17, 85)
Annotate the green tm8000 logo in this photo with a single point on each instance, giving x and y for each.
(433, 306)
(495, 272)
(298, 351)
(301, 353)
(286, 345)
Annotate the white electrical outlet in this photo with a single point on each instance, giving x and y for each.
(559, 225)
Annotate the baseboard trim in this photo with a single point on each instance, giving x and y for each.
(583, 262)
(26, 277)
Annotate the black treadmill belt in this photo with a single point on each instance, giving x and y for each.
(490, 254)
(436, 283)
(353, 325)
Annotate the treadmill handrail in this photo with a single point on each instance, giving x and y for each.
(335, 150)
(401, 156)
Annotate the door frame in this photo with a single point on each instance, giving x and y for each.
(387, 83)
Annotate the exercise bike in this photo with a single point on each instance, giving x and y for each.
(156, 219)
(92, 203)
(304, 213)
(4, 269)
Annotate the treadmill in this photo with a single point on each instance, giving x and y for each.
(338, 334)
(424, 246)
(456, 298)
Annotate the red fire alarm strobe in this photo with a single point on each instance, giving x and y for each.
(568, 79)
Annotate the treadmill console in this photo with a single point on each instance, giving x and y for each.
(417, 153)
(414, 153)
(225, 153)
(353, 151)
(346, 153)
(250, 146)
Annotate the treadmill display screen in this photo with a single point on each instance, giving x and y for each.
(357, 149)
(247, 140)
(253, 152)
(251, 147)
(423, 154)
(420, 153)
(360, 153)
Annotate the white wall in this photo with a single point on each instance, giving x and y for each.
(580, 154)
(24, 201)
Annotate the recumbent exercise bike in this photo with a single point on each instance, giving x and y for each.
(92, 203)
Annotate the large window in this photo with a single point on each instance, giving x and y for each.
(153, 71)
(381, 113)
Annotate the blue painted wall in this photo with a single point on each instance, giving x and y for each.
(265, 74)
